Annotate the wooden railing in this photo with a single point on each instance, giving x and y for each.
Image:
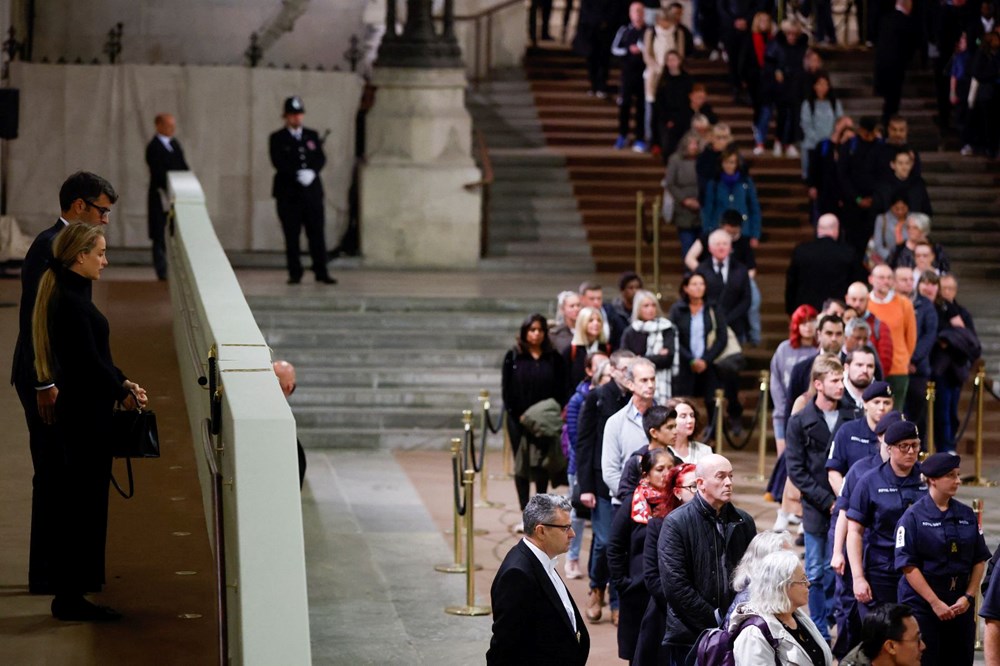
(486, 165)
(482, 50)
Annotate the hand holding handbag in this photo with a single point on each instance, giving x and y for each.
(730, 359)
(133, 435)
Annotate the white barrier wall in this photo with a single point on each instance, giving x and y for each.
(268, 615)
(100, 117)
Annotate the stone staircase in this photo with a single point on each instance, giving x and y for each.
(389, 373)
(534, 220)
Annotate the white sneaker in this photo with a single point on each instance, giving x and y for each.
(966, 150)
(777, 149)
(699, 43)
(758, 149)
(791, 151)
(714, 55)
(781, 522)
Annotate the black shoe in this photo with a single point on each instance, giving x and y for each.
(326, 280)
(295, 280)
(42, 588)
(78, 609)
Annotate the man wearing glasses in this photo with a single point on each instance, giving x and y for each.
(876, 505)
(535, 620)
(83, 197)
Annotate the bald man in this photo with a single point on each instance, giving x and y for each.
(285, 372)
(821, 268)
(857, 298)
(163, 154)
(708, 523)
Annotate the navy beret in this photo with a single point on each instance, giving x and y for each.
(939, 464)
(901, 431)
(883, 423)
(877, 390)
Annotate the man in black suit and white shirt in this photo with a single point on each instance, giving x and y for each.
(83, 197)
(727, 282)
(163, 154)
(535, 620)
(297, 156)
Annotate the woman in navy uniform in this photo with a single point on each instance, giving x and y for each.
(942, 554)
(876, 505)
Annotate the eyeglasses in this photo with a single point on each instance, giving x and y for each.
(691, 488)
(105, 212)
(564, 528)
(907, 448)
(801, 582)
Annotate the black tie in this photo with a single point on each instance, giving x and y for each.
(718, 269)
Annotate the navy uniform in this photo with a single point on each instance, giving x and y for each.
(856, 440)
(944, 547)
(845, 605)
(297, 156)
(990, 608)
(877, 504)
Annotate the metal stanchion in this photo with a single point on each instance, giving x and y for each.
(655, 217)
(979, 481)
(469, 452)
(638, 232)
(765, 381)
(977, 506)
(930, 397)
(470, 608)
(484, 502)
(457, 566)
(719, 435)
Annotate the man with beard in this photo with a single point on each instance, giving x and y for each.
(859, 373)
(857, 334)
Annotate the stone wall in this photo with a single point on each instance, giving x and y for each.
(100, 118)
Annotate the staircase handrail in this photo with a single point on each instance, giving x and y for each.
(485, 182)
(482, 74)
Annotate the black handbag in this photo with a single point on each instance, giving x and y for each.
(133, 435)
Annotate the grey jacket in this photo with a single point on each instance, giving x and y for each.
(682, 182)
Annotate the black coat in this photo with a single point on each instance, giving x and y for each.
(807, 447)
(575, 365)
(288, 156)
(696, 564)
(898, 38)
(780, 56)
(732, 296)
(625, 563)
(913, 190)
(35, 263)
(822, 174)
(530, 625)
(526, 380)
(89, 385)
(857, 169)
(680, 314)
(635, 342)
(599, 405)
(820, 269)
(160, 161)
(648, 649)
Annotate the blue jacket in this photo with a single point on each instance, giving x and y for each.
(742, 197)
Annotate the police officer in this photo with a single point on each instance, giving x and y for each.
(856, 439)
(876, 505)
(297, 156)
(942, 554)
(845, 609)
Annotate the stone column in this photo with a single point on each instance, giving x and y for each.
(415, 210)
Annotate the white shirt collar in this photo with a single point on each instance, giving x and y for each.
(548, 563)
(165, 140)
(64, 221)
(888, 297)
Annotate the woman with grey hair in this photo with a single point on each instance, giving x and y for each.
(778, 592)
(918, 229)
(567, 309)
(653, 337)
(760, 547)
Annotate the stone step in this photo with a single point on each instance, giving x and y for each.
(384, 417)
(386, 439)
(488, 357)
(448, 397)
(345, 303)
(338, 337)
(416, 375)
(383, 321)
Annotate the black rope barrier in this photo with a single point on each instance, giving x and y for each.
(456, 477)
(968, 416)
(749, 432)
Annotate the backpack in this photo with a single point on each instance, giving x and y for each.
(714, 646)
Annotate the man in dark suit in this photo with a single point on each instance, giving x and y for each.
(898, 40)
(83, 197)
(727, 282)
(535, 620)
(297, 156)
(820, 269)
(163, 154)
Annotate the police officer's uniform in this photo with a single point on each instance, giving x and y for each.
(855, 440)
(878, 503)
(297, 156)
(944, 547)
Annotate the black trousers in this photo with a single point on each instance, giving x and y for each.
(295, 214)
(46, 459)
(633, 93)
(734, 42)
(157, 232)
(545, 7)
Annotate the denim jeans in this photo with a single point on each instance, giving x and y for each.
(753, 314)
(687, 237)
(819, 550)
(760, 126)
(578, 526)
(600, 521)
